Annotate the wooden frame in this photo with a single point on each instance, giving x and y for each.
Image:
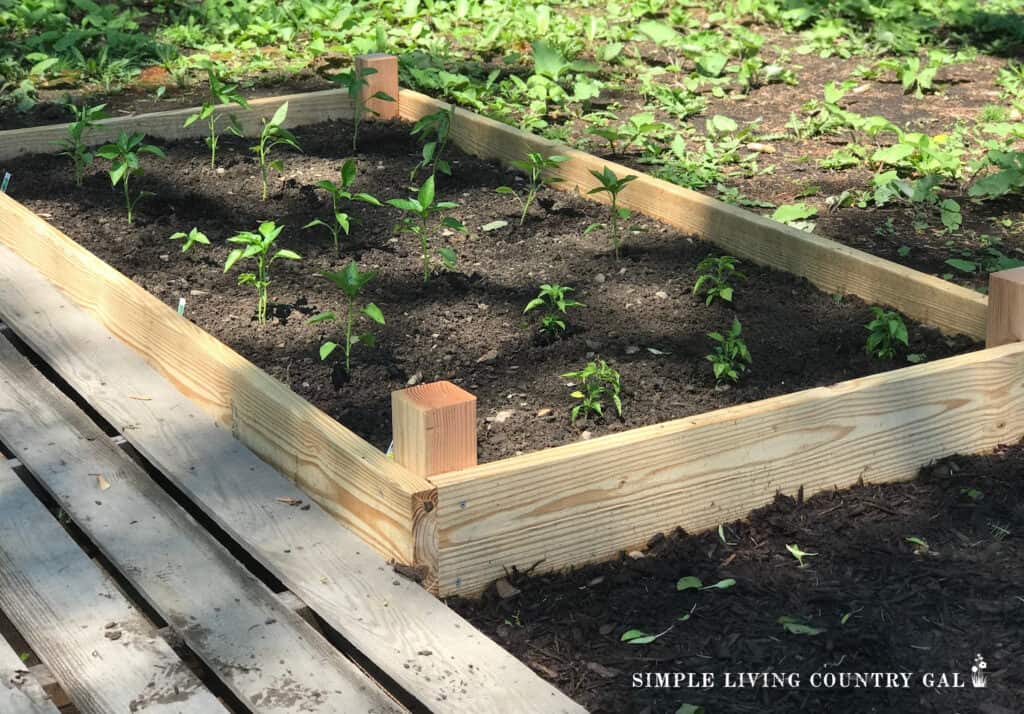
(587, 501)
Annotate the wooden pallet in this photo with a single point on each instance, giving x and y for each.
(260, 651)
(466, 524)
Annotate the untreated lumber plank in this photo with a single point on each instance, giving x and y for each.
(431, 652)
(20, 693)
(269, 657)
(303, 108)
(587, 501)
(1005, 307)
(63, 604)
(833, 267)
(348, 476)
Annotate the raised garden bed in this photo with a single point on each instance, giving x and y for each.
(879, 595)
(582, 501)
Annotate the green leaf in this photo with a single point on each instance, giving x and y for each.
(721, 585)
(373, 312)
(660, 33)
(966, 266)
(448, 257)
(711, 64)
(638, 637)
(548, 61)
(893, 154)
(795, 627)
(322, 317)
(287, 255)
(787, 213)
(326, 349)
(233, 257)
(493, 226)
(426, 192)
(723, 124)
(689, 709)
(280, 115)
(690, 582)
(406, 204)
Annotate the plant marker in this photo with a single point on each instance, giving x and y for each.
(181, 306)
(7, 180)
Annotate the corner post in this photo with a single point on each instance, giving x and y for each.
(434, 430)
(1005, 316)
(385, 79)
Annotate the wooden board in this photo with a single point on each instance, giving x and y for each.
(348, 476)
(833, 267)
(20, 693)
(267, 655)
(587, 501)
(427, 649)
(61, 603)
(304, 108)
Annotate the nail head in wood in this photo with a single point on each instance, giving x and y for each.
(385, 80)
(1005, 316)
(434, 428)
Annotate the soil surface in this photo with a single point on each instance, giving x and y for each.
(466, 325)
(875, 600)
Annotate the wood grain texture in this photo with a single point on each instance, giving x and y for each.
(833, 267)
(1005, 307)
(434, 428)
(384, 80)
(348, 476)
(20, 693)
(587, 501)
(426, 648)
(62, 603)
(304, 108)
(267, 655)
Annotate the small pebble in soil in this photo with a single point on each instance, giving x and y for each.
(546, 411)
(414, 380)
(585, 436)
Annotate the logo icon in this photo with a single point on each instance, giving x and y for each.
(978, 677)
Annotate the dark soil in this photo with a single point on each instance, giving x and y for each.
(908, 608)
(465, 326)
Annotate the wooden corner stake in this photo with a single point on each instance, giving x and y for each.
(384, 80)
(1005, 317)
(434, 428)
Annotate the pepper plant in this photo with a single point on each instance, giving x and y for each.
(258, 245)
(730, 356)
(191, 238)
(339, 192)
(418, 214)
(434, 130)
(612, 185)
(886, 333)
(220, 93)
(273, 135)
(74, 144)
(535, 166)
(350, 281)
(596, 382)
(555, 301)
(715, 277)
(124, 157)
(353, 81)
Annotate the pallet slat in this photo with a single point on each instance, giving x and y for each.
(269, 657)
(588, 501)
(426, 648)
(62, 603)
(20, 693)
(304, 108)
(833, 267)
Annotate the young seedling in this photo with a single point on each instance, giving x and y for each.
(418, 213)
(434, 130)
(271, 136)
(715, 276)
(730, 357)
(350, 281)
(353, 81)
(257, 245)
(191, 238)
(535, 166)
(220, 93)
(124, 157)
(74, 145)
(799, 554)
(554, 300)
(886, 333)
(596, 382)
(339, 192)
(612, 185)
